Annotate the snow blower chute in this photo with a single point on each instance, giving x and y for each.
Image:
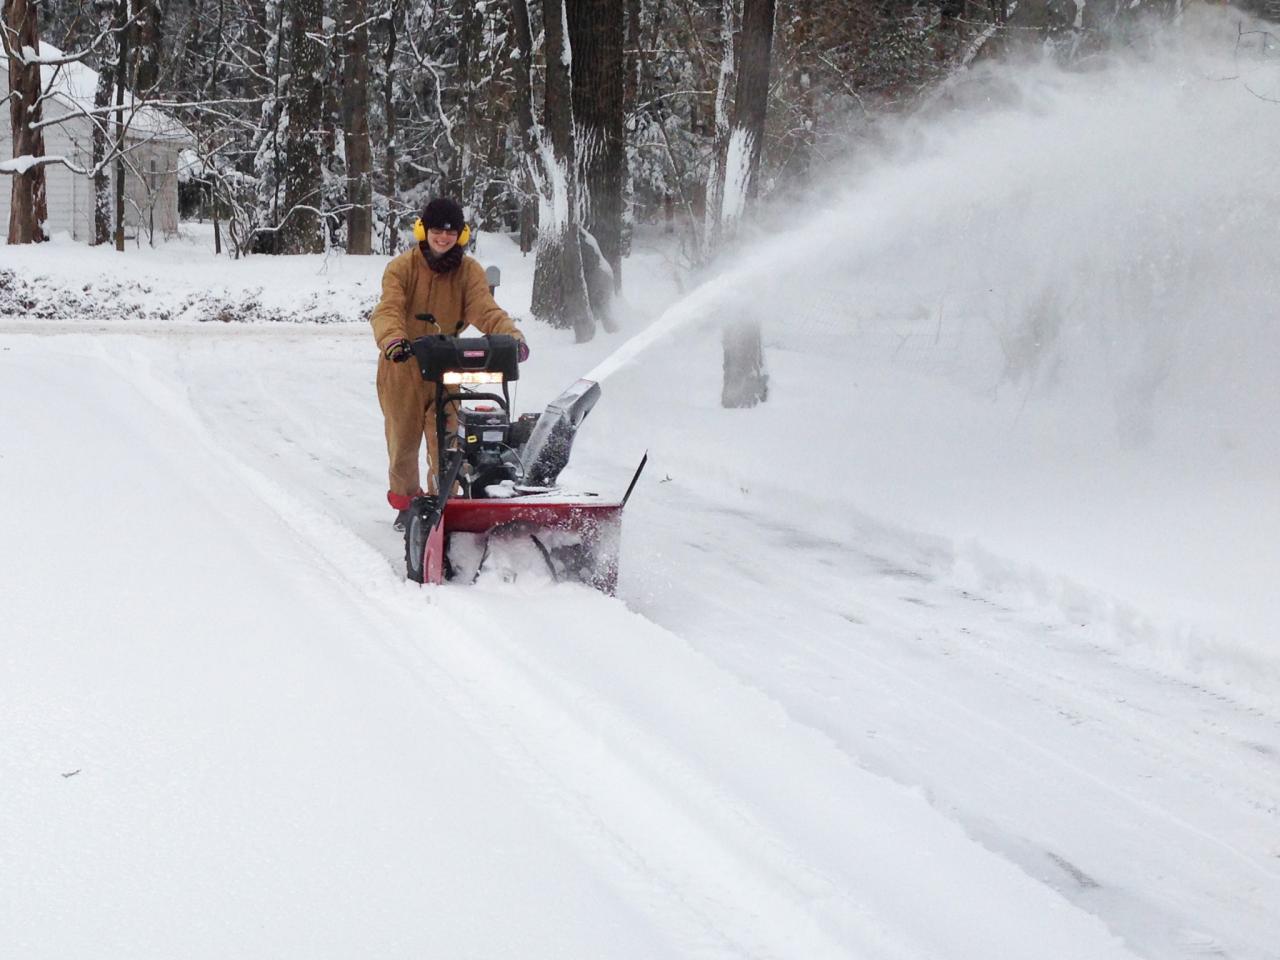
(496, 481)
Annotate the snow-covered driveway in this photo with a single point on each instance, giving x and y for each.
(230, 728)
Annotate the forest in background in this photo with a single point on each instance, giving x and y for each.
(318, 124)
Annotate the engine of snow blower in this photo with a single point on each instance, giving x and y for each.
(491, 445)
(496, 478)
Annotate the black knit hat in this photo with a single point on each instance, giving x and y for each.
(443, 214)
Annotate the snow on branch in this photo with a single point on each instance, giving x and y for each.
(137, 107)
(29, 57)
(21, 165)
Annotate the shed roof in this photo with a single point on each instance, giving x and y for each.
(74, 85)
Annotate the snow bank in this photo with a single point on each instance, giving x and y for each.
(182, 280)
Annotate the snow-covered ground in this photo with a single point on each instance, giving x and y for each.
(964, 645)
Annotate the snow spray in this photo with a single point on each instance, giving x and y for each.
(681, 315)
(1104, 235)
(724, 296)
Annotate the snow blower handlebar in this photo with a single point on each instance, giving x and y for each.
(454, 361)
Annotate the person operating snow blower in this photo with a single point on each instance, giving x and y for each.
(432, 289)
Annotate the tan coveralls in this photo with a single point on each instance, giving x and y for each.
(457, 299)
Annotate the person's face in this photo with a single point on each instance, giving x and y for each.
(441, 241)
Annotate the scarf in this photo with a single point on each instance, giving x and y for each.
(447, 262)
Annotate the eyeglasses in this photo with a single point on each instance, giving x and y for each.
(442, 231)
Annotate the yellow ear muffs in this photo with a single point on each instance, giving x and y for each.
(420, 233)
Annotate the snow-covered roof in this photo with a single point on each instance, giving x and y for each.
(73, 86)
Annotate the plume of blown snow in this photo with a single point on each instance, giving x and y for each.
(1105, 231)
(1072, 266)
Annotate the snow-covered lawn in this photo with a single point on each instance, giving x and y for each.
(962, 646)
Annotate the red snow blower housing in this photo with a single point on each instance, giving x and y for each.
(497, 477)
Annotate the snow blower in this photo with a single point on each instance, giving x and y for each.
(496, 489)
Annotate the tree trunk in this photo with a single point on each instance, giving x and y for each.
(149, 32)
(300, 232)
(559, 283)
(492, 215)
(745, 381)
(528, 226)
(560, 286)
(122, 62)
(803, 56)
(355, 129)
(713, 215)
(530, 141)
(632, 60)
(106, 12)
(596, 29)
(462, 180)
(27, 208)
(631, 84)
(389, 243)
(332, 167)
(751, 98)
(212, 94)
(255, 225)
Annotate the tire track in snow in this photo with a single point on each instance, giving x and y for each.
(677, 836)
(728, 848)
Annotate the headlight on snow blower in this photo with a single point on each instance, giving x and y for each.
(455, 377)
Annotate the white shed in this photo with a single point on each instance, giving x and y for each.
(153, 143)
